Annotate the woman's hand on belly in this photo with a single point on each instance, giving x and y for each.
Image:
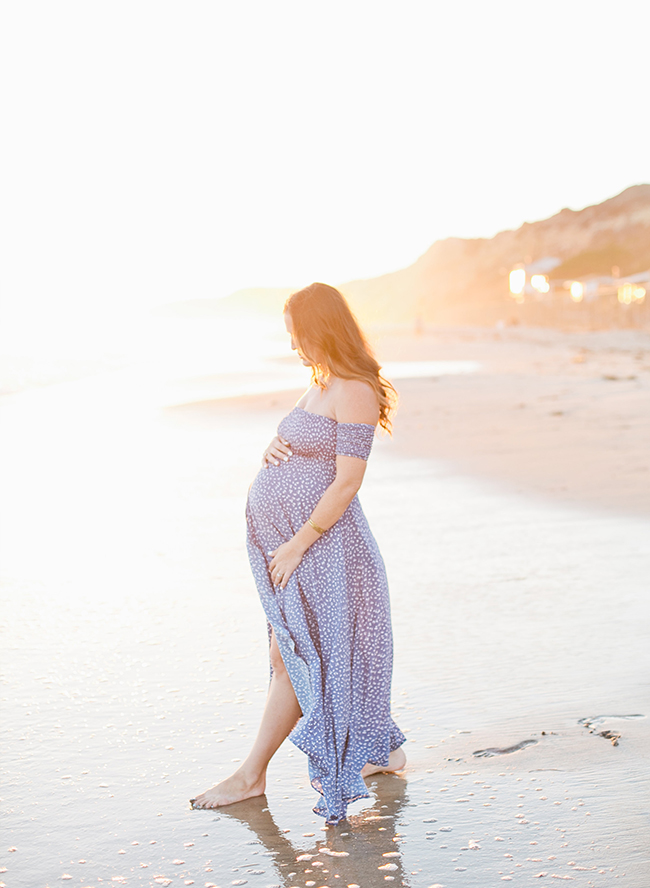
(278, 449)
(286, 559)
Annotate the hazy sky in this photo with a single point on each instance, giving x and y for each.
(155, 151)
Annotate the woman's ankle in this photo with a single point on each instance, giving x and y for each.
(251, 775)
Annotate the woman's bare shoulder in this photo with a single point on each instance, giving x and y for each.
(355, 401)
(304, 398)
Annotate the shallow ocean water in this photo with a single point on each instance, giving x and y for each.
(135, 668)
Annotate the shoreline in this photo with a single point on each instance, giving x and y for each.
(562, 417)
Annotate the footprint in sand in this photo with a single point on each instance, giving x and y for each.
(595, 721)
(506, 750)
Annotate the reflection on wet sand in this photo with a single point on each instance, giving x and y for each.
(364, 850)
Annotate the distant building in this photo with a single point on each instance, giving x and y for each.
(634, 288)
(533, 281)
(588, 288)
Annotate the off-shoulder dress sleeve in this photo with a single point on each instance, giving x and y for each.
(354, 439)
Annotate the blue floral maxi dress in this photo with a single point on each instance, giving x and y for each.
(332, 621)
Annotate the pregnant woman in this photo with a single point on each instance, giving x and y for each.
(319, 573)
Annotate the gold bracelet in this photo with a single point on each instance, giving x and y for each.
(315, 526)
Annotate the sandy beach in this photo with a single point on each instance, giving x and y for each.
(564, 416)
(512, 507)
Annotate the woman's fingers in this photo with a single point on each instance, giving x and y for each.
(281, 579)
(278, 450)
(273, 566)
(280, 447)
(280, 574)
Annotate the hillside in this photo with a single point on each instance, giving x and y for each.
(465, 281)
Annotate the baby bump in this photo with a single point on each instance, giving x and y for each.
(290, 490)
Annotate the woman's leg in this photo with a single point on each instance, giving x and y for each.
(280, 715)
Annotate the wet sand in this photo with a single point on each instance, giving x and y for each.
(134, 648)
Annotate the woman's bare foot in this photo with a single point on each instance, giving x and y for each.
(396, 762)
(235, 788)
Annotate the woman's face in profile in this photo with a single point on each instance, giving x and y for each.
(294, 345)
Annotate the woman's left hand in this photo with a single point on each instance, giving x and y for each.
(286, 559)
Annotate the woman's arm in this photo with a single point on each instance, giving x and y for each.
(330, 507)
(357, 403)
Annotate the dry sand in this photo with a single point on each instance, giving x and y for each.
(563, 416)
(516, 543)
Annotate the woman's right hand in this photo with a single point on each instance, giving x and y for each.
(278, 449)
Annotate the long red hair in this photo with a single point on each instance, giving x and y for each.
(323, 325)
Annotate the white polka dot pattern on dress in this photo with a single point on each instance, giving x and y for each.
(332, 621)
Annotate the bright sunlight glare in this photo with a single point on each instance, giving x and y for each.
(157, 152)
